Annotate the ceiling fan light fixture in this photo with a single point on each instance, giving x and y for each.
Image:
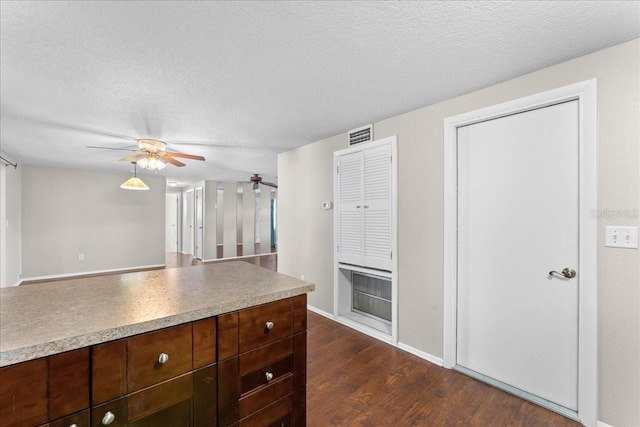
(151, 162)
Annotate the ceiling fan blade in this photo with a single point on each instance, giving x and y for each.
(111, 148)
(269, 184)
(183, 155)
(174, 162)
(132, 158)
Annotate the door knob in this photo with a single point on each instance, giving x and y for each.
(567, 273)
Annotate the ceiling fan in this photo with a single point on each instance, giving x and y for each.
(154, 155)
(256, 179)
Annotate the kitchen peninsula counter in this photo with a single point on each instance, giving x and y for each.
(49, 318)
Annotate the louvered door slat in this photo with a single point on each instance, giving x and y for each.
(350, 221)
(377, 203)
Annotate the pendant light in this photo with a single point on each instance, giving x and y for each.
(134, 183)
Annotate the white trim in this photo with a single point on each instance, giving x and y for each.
(601, 424)
(586, 93)
(421, 354)
(393, 274)
(89, 273)
(320, 312)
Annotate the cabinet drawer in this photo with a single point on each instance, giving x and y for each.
(81, 419)
(23, 394)
(265, 323)
(265, 355)
(165, 395)
(145, 367)
(113, 414)
(270, 415)
(266, 395)
(266, 375)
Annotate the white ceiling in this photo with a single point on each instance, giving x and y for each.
(240, 82)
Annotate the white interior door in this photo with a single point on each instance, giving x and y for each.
(188, 222)
(518, 219)
(199, 224)
(171, 221)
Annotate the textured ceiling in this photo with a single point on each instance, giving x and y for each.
(240, 82)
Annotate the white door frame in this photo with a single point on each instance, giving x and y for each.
(585, 93)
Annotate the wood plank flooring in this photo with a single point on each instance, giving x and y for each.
(355, 380)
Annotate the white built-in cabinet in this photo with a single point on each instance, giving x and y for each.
(366, 237)
(365, 206)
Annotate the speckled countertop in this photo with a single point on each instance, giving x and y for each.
(48, 318)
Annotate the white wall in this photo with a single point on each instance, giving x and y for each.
(10, 223)
(306, 233)
(67, 212)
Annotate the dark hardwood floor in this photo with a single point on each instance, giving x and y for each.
(355, 380)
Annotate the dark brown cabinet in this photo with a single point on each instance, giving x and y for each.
(246, 368)
(262, 380)
(164, 377)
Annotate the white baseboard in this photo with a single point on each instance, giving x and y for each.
(89, 273)
(382, 337)
(601, 424)
(320, 312)
(421, 354)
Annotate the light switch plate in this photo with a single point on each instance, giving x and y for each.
(621, 237)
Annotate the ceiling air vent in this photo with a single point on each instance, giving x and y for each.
(363, 134)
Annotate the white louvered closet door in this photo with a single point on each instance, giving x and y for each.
(364, 191)
(377, 208)
(351, 221)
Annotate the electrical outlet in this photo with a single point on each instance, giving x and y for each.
(80, 257)
(302, 276)
(621, 237)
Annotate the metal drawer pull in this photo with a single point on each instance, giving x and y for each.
(163, 358)
(108, 418)
(268, 376)
(567, 273)
(269, 325)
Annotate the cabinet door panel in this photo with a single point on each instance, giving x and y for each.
(254, 331)
(350, 208)
(144, 368)
(108, 371)
(68, 383)
(228, 392)
(205, 397)
(152, 399)
(23, 394)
